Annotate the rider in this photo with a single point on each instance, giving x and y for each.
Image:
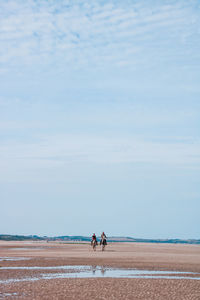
(94, 238)
(103, 238)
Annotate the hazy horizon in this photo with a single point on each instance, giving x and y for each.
(100, 117)
(98, 236)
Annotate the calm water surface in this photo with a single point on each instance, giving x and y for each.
(97, 272)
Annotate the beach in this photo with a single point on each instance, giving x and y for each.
(36, 270)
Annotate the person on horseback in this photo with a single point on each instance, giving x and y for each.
(103, 236)
(103, 239)
(94, 239)
(94, 242)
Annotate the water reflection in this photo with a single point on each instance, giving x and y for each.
(97, 272)
(103, 271)
(96, 269)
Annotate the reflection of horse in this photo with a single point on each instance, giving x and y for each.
(103, 271)
(94, 244)
(103, 243)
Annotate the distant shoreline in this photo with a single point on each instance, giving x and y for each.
(7, 237)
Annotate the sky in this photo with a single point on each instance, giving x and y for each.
(100, 117)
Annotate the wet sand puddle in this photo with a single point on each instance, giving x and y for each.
(5, 258)
(97, 272)
(7, 294)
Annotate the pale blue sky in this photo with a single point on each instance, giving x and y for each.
(100, 117)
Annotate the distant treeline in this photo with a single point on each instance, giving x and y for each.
(7, 237)
(67, 238)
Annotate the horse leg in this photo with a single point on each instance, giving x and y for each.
(94, 246)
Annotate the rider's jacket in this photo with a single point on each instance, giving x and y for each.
(94, 237)
(103, 236)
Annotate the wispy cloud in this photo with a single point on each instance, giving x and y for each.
(99, 103)
(57, 151)
(84, 32)
(77, 34)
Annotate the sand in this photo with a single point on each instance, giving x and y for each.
(185, 258)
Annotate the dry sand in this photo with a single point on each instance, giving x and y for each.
(128, 255)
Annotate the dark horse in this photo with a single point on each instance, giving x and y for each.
(103, 243)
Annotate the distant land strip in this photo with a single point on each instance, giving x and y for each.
(74, 238)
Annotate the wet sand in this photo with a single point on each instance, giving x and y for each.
(185, 258)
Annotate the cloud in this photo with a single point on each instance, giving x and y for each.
(71, 35)
(57, 151)
(93, 33)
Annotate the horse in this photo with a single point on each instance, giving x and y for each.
(94, 244)
(103, 243)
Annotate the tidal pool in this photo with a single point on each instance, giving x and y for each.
(5, 258)
(98, 272)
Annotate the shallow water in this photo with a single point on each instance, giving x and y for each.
(7, 294)
(13, 258)
(49, 268)
(99, 272)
